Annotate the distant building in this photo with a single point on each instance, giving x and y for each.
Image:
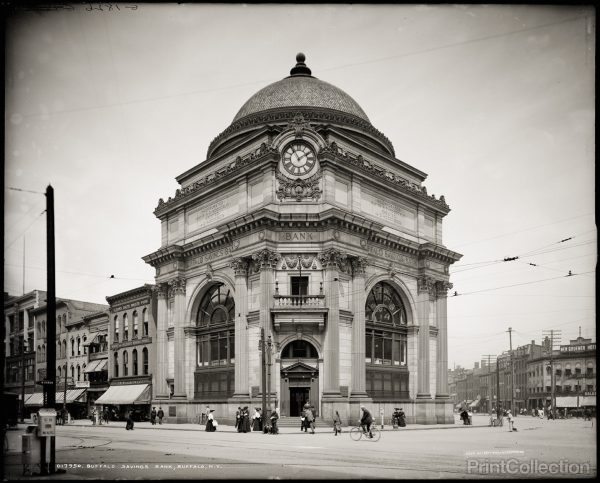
(131, 350)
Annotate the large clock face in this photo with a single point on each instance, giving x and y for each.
(298, 159)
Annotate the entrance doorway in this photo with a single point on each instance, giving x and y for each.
(298, 397)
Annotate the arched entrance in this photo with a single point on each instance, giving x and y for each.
(299, 378)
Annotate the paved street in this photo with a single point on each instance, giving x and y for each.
(110, 452)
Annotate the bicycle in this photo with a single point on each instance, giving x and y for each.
(358, 432)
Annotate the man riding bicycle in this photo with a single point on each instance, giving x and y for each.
(366, 420)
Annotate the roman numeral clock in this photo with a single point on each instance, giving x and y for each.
(300, 179)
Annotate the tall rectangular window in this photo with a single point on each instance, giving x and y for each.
(299, 285)
(223, 348)
(231, 347)
(369, 348)
(214, 350)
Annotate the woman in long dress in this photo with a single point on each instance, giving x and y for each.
(209, 423)
(257, 426)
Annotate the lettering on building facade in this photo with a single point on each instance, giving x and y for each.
(381, 252)
(298, 236)
(207, 257)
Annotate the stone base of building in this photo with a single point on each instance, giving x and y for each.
(418, 411)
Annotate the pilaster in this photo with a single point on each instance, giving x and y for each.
(442, 344)
(425, 291)
(177, 291)
(161, 389)
(240, 269)
(359, 300)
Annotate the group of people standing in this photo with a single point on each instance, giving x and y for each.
(160, 414)
(242, 420)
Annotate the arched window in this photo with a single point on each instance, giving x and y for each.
(116, 368)
(215, 319)
(78, 346)
(78, 372)
(43, 328)
(39, 327)
(58, 349)
(145, 360)
(58, 372)
(386, 343)
(64, 349)
(125, 327)
(145, 323)
(39, 354)
(299, 349)
(85, 347)
(134, 358)
(125, 363)
(84, 373)
(116, 329)
(72, 372)
(72, 347)
(135, 317)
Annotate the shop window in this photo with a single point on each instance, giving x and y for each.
(135, 324)
(145, 323)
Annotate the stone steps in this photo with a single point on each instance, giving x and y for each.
(294, 422)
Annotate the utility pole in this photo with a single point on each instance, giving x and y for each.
(512, 372)
(554, 337)
(497, 388)
(50, 386)
(489, 357)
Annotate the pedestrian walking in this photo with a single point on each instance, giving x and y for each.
(510, 419)
(210, 420)
(93, 415)
(106, 415)
(541, 413)
(274, 417)
(153, 416)
(245, 420)
(310, 420)
(337, 423)
(206, 413)
(160, 414)
(257, 420)
(238, 420)
(129, 424)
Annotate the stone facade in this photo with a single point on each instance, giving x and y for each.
(303, 225)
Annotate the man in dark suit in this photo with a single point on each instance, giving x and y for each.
(366, 420)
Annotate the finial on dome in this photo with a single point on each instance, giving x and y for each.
(300, 68)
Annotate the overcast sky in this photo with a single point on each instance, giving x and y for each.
(494, 103)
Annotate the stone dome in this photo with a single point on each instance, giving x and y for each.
(301, 89)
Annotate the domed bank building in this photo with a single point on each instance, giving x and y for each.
(301, 223)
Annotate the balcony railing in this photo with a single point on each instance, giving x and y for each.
(296, 301)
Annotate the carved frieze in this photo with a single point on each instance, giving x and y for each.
(299, 262)
(298, 189)
(264, 259)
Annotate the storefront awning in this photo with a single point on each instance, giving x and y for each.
(37, 398)
(96, 366)
(566, 402)
(588, 401)
(126, 394)
(475, 403)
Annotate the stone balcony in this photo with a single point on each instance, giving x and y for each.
(299, 310)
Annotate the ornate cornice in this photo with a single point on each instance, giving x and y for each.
(162, 255)
(333, 258)
(265, 259)
(326, 116)
(437, 252)
(240, 266)
(377, 171)
(298, 189)
(237, 164)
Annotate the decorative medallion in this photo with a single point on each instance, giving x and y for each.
(298, 189)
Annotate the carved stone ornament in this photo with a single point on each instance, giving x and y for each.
(359, 265)
(176, 286)
(297, 262)
(442, 288)
(332, 258)
(426, 284)
(209, 271)
(392, 270)
(239, 265)
(298, 124)
(298, 189)
(265, 258)
(161, 289)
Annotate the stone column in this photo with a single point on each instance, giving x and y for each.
(240, 269)
(177, 290)
(359, 300)
(442, 345)
(161, 389)
(333, 262)
(266, 261)
(425, 290)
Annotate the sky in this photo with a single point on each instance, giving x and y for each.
(494, 103)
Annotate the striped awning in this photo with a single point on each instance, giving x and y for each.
(97, 366)
(37, 398)
(126, 394)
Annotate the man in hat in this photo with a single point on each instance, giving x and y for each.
(510, 419)
(238, 419)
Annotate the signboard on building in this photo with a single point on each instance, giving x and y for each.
(578, 348)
